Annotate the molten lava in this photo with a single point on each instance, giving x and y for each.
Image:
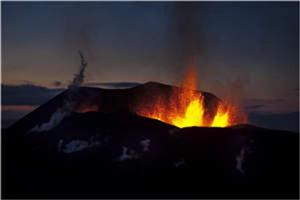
(187, 108)
(181, 107)
(193, 115)
(221, 119)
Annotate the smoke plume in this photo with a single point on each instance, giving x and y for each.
(189, 30)
(187, 39)
(79, 78)
(69, 101)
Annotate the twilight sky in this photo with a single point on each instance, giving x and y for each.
(249, 49)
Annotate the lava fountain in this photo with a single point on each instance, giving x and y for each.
(187, 108)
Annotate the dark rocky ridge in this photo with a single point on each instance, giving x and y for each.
(110, 101)
(83, 157)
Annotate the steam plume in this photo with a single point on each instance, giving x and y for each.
(79, 78)
(68, 105)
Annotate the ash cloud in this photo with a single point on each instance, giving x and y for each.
(189, 46)
(187, 38)
(189, 34)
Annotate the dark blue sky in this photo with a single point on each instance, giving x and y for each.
(244, 49)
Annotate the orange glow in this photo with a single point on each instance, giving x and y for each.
(87, 109)
(187, 108)
(192, 117)
(221, 118)
(17, 108)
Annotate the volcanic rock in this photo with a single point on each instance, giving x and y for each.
(111, 152)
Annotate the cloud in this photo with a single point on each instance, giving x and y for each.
(264, 101)
(24, 108)
(254, 106)
(11, 113)
(285, 121)
(27, 94)
(19, 100)
(57, 83)
(274, 113)
(114, 85)
(275, 105)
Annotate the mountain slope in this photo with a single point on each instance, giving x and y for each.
(105, 155)
(107, 100)
(102, 149)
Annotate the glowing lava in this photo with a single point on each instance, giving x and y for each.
(193, 115)
(187, 107)
(221, 118)
(181, 107)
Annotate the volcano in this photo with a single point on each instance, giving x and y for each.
(131, 100)
(107, 146)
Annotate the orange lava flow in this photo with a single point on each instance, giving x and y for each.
(221, 119)
(187, 108)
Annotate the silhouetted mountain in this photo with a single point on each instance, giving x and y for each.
(109, 101)
(114, 153)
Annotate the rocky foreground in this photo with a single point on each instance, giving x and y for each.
(123, 155)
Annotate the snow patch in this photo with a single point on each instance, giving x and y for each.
(180, 163)
(128, 155)
(59, 145)
(76, 145)
(55, 119)
(68, 104)
(240, 158)
(145, 144)
(174, 131)
(239, 161)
